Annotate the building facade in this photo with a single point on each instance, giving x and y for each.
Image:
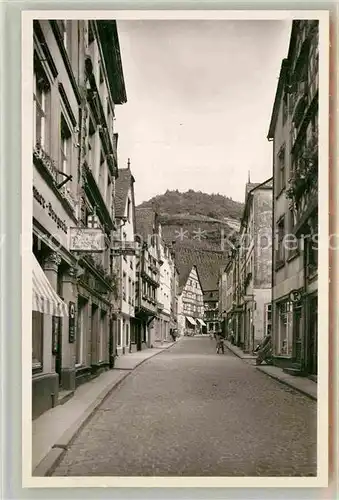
(255, 265)
(191, 303)
(294, 132)
(77, 82)
(126, 262)
(148, 275)
(211, 308)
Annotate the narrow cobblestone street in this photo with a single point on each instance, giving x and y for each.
(190, 412)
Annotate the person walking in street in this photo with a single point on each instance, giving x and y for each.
(220, 343)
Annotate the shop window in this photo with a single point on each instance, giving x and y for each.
(284, 329)
(37, 340)
(80, 332)
(118, 325)
(101, 336)
(268, 318)
(127, 333)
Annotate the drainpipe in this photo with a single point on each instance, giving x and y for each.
(273, 311)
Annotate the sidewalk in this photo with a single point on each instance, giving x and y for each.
(301, 384)
(54, 430)
(237, 351)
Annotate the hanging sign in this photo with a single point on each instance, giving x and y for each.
(86, 239)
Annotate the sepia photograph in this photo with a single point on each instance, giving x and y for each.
(174, 168)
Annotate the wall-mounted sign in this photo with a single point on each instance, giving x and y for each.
(55, 334)
(86, 239)
(46, 205)
(71, 322)
(295, 296)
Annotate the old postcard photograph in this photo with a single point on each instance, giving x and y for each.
(175, 248)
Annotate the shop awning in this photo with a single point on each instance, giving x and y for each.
(44, 299)
(202, 323)
(191, 320)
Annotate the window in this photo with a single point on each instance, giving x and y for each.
(285, 107)
(280, 252)
(64, 32)
(129, 210)
(311, 256)
(91, 145)
(102, 172)
(40, 101)
(65, 149)
(284, 329)
(129, 290)
(109, 195)
(268, 318)
(281, 169)
(101, 74)
(90, 33)
(127, 333)
(124, 286)
(37, 340)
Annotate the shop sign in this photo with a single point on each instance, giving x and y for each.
(295, 296)
(71, 322)
(86, 239)
(55, 334)
(46, 205)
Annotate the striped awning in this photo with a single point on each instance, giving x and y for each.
(191, 320)
(44, 299)
(202, 322)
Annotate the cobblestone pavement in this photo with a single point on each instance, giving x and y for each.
(191, 412)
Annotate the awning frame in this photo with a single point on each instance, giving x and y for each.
(44, 298)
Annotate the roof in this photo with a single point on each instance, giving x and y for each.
(144, 222)
(277, 99)
(250, 188)
(208, 266)
(109, 39)
(123, 183)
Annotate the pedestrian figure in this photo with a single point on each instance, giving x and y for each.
(220, 343)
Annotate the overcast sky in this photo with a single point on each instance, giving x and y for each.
(199, 103)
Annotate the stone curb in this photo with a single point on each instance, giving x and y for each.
(275, 377)
(287, 382)
(49, 463)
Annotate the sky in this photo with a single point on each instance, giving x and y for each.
(199, 102)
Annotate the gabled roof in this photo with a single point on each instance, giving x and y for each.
(144, 222)
(123, 183)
